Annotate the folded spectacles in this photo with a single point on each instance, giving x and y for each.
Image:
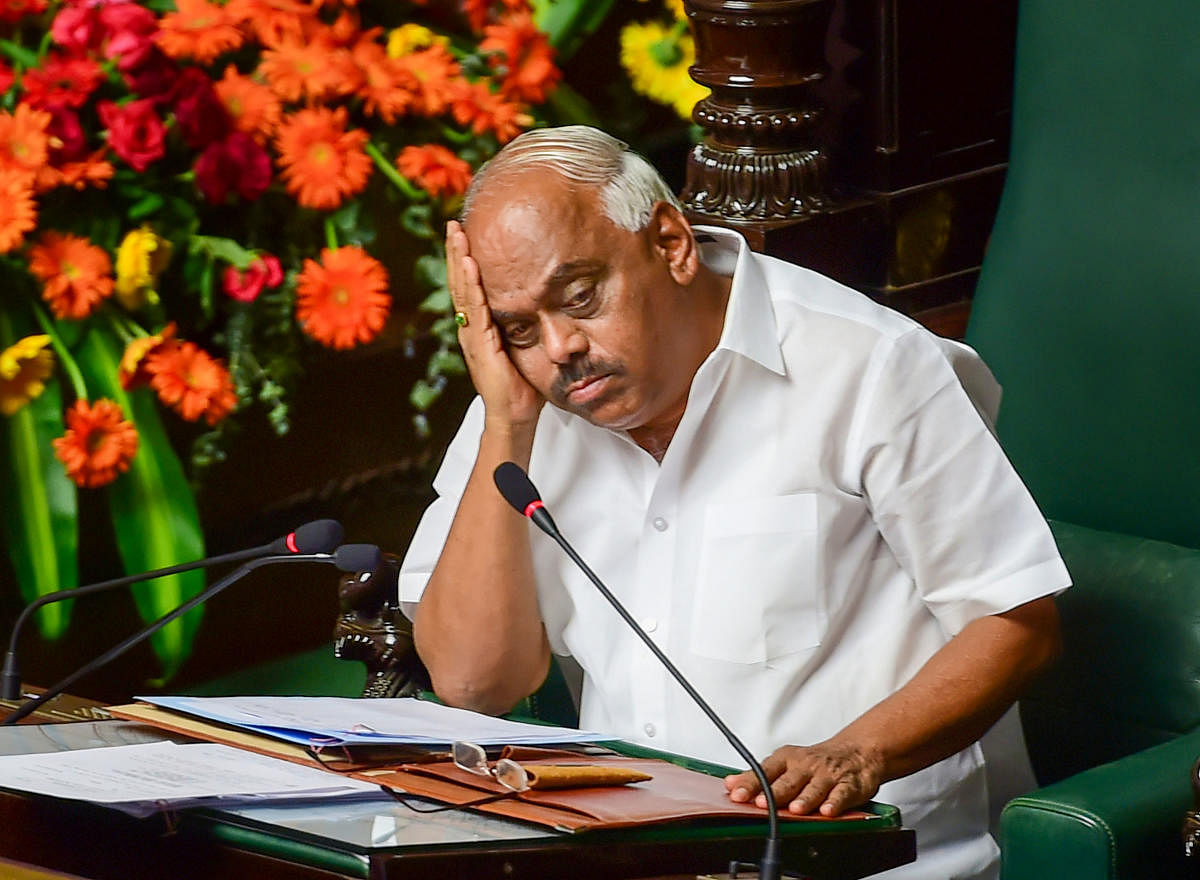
(473, 759)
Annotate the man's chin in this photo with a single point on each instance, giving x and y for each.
(603, 412)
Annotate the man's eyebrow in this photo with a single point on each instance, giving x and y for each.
(571, 270)
(563, 274)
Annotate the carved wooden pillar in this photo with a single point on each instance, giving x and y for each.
(759, 161)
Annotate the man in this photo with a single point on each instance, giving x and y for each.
(783, 481)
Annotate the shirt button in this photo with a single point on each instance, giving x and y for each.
(660, 523)
(650, 729)
(649, 624)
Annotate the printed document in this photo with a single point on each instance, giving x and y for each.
(314, 721)
(147, 777)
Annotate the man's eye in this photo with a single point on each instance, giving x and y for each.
(520, 335)
(581, 299)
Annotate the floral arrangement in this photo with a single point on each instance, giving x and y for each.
(191, 193)
(657, 54)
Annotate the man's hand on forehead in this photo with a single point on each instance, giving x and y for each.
(507, 397)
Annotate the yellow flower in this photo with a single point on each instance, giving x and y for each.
(675, 7)
(140, 259)
(409, 38)
(24, 368)
(657, 58)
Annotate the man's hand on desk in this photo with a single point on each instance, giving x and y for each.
(829, 777)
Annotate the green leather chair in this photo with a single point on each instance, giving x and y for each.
(1114, 727)
(1088, 312)
(1088, 305)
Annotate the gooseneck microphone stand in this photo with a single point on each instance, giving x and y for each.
(349, 557)
(514, 484)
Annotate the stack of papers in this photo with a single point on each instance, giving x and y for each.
(146, 778)
(324, 721)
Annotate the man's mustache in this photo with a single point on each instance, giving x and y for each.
(578, 370)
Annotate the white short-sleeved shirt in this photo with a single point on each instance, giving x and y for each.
(830, 512)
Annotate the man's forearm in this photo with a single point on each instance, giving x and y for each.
(477, 627)
(952, 700)
(961, 691)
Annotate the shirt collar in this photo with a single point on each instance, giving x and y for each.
(750, 328)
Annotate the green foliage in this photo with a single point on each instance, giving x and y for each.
(39, 509)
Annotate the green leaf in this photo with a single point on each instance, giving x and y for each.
(446, 363)
(39, 511)
(147, 205)
(218, 248)
(18, 53)
(415, 220)
(566, 23)
(438, 302)
(153, 507)
(430, 270)
(423, 394)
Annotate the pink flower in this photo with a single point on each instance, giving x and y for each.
(130, 30)
(245, 287)
(237, 163)
(135, 133)
(77, 29)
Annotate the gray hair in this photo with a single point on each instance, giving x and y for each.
(629, 186)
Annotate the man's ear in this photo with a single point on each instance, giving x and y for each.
(672, 240)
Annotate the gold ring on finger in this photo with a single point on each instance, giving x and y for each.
(460, 318)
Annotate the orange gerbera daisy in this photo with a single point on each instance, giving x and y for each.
(477, 106)
(437, 74)
(18, 210)
(24, 144)
(191, 381)
(252, 106)
(389, 90)
(314, 68)
(94, 170)
(132, 371)
(98, 445)
(322, 162)
(272, 21)
(435, 169)
(342, 300)
(524, 56)
(198, 30)
(76, 274)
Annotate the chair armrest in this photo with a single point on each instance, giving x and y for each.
(1116, 821)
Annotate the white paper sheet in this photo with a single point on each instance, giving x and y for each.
(146, 777)
(400, 720)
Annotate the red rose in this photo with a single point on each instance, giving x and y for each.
(201, 115)
(129, 30)
(235, 163)
(135, 133)
(154, 75)
(67, 132)
(245, 286)
(77, 28)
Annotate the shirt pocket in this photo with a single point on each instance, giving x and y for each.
(757, 595)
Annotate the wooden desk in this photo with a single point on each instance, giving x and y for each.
(381, 839)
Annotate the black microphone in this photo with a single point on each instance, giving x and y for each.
(318, 536)
(348, 557)
(514, 484)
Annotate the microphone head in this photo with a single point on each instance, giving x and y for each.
(318, 536)
(514, 484)
(358, 557)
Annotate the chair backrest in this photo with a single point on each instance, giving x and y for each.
(1126, 679)
(1088, 306)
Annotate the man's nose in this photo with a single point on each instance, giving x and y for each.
(562, 338)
